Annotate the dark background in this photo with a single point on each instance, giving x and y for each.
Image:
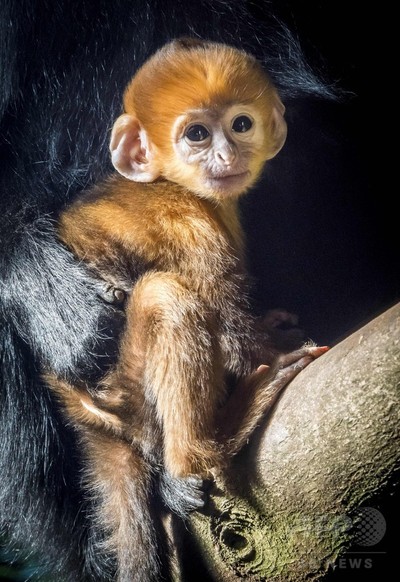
(321, 225)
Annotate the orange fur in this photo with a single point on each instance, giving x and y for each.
(207, 75)
(188, 322)
(152, 222)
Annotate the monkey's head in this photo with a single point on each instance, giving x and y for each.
(203, 115)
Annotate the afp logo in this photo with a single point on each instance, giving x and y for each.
(369, 526)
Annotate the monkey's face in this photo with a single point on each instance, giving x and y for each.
(202, 115)
(218, 153)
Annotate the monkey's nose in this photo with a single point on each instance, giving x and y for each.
(225, 156)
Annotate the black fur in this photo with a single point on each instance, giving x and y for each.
(65, 64)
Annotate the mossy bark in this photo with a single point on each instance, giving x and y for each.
(285, 510)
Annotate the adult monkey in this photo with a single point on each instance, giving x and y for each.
(64, 67)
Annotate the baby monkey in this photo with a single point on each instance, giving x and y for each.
(164, 236)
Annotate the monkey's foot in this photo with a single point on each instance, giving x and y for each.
(255, 395)
(285, 368)
(289, 365)
(183, 495)
(197, 457)
(270, 380)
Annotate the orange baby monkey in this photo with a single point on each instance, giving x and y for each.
(164, 237)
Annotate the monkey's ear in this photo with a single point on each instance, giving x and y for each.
(130, 151)
(277, 129)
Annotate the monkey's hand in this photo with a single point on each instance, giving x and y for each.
(183, 495)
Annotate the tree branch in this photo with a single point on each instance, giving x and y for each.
(285, 511)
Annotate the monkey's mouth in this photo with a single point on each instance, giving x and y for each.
(229, 181)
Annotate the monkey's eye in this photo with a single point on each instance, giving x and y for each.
(197, 132)
(242, 123)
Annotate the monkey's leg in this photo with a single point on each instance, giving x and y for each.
(119, 481)
(256, 394)
(169, 345)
